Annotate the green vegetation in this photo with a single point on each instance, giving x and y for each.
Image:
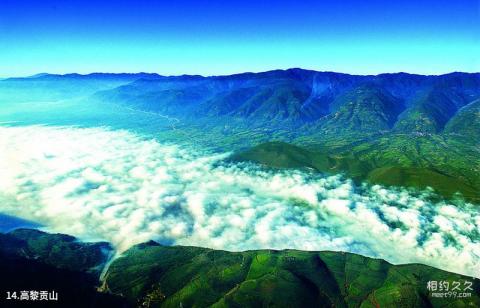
(367, 108)
(152, 275)
(160, 276)
(429, 114)
(440, 162)
(284, 155)
(466, 123)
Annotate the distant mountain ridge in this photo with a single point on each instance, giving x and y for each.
(297, 97)
(393, 129)
(51, 87)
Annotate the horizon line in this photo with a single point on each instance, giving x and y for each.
(37, 75)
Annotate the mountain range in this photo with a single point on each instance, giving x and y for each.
(326, 100)
(399, 102)
(392, 129)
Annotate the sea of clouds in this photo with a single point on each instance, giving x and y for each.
(97, 183)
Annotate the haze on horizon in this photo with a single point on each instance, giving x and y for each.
(218, 38)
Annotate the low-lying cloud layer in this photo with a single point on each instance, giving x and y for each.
(97, 183)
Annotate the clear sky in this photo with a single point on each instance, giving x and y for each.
(222, 37)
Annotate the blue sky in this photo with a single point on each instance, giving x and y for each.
(222, 37)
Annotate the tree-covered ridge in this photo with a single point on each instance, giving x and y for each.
(447, 165)
(197, 277)
(152, 275)
(297, 97)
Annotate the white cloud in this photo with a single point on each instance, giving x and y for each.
(114, 185)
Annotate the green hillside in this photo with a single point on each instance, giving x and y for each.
(366, 108)
(284, 155)
(466, 123)
(396, 160)
(152, 275)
